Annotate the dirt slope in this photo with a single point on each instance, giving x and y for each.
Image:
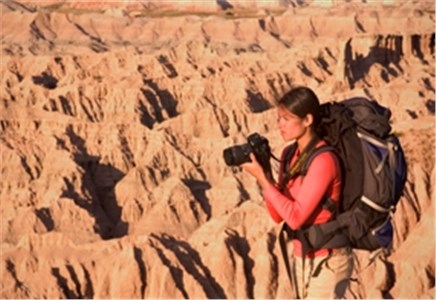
(114, 119)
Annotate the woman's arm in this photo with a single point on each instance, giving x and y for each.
(273, 213)
(295, 211)
(255, 169)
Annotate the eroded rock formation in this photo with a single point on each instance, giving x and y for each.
(113, 123)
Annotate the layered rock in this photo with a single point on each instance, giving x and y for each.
(112, 132)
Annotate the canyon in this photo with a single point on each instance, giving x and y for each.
(114, 119)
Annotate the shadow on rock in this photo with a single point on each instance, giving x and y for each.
(240, 246)
(192, 264)
(46, 80)
(387, 50)
(98, 181)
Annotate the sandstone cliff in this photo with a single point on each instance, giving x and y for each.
(114, 119)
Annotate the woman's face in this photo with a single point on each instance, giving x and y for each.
(291, 126)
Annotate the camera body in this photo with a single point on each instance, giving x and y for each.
(256, 144)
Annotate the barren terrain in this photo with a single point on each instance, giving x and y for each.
(113, 121)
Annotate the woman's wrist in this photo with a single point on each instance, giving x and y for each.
(263, 181)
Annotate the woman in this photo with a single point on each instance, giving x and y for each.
(299, 203)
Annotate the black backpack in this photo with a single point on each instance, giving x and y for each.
(374, 174)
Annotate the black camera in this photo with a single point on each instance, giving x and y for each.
(256, 144)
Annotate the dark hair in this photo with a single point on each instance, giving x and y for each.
(302, 101)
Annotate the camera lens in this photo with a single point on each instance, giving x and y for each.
(237, 155)
(229, 157)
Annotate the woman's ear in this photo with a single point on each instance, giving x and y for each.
(308, 120)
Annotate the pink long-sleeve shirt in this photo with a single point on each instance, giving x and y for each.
(299, 204)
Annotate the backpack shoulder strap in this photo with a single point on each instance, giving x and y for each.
(289, 152)
(313, 154)
(286, 159)
(287, 156)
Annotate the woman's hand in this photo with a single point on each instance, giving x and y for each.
(255, 169)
